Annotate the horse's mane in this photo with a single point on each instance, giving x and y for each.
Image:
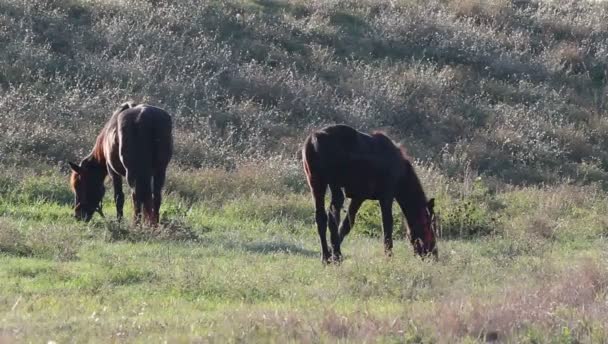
(414, 186)
(398, 146)
(97, 153)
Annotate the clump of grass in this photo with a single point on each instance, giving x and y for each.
(167, 230)
(43, 241)
(12, 241)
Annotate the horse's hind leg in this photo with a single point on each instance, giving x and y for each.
(337, 202)
(349, 220)
(132, 181)
(386, 208)
(318, 193)
(142, 196)
(146, 199)
(157, 187)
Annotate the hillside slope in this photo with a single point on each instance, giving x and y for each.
(516, 90)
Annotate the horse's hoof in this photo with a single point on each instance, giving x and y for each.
(336, 259)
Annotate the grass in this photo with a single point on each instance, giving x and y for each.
(244, 264)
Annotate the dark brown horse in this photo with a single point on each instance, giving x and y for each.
(136, 143)
(365, 167)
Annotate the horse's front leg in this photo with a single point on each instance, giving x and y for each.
(386, 208)
(119, 196)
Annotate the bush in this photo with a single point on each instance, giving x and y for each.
(369, 221)
(468, 216)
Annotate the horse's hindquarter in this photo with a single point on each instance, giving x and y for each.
(145, 138)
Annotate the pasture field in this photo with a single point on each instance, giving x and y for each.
(238, 259)
(502, 104)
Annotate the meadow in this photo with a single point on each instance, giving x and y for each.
(502, 104)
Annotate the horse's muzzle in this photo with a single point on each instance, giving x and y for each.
(424, 251)
(83, 215)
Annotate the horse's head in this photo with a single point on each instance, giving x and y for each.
(87, 184)
(423, 235)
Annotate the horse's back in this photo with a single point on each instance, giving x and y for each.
(334, 143)
(338, 144)
(359, 162)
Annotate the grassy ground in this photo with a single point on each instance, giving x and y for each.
(243, 264)
(503, 103)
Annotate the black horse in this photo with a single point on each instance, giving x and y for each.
(365, 167)
(136, 143)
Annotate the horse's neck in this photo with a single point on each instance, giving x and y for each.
(412, 207)
(411, 196)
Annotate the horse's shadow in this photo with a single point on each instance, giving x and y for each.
(270, 247)
(179, 231)
(262, 247)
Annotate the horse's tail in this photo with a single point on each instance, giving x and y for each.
(126, 105)
(310, 158)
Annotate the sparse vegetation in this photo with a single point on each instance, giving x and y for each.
(502, 103)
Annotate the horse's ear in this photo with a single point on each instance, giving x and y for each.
(431, 205)
(74, 167)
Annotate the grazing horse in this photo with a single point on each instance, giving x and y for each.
(365, 167)
(136, 143)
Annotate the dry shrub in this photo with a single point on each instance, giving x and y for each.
(358, 327)
(576, 142)
(542, 226)
(564, 211)
(568, 57)
(251, 85)
(558, 301)
(269, 176)
(483, 12)
(6, 338)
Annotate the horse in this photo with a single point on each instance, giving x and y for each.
(136, 143)
(365, 167)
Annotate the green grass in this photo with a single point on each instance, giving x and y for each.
(246, 266)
